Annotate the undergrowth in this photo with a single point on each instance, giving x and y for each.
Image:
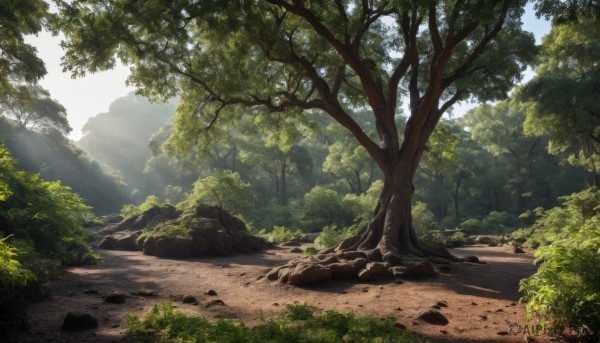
(298, 323)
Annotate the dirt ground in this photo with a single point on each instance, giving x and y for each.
(482, 298)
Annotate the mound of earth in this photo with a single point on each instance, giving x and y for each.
(201, 230)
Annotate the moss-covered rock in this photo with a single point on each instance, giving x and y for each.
(198, 231)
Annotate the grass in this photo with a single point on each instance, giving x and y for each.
(298, 323)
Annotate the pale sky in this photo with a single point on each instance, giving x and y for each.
(91, 95)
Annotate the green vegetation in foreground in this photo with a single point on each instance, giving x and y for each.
(298, 323)
(566, 289)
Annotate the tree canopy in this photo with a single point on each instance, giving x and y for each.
(292, 59)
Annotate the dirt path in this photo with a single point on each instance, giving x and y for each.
(482, 298)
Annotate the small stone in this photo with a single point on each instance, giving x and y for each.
(474, 303)
(473, 259)
(437, 307)
(144, 293)
(79, 321)
(444, 332)
(398, 309)
(190, 299)
(115, 298)
(442, 303)
(297, 251)
(483, 318)
(503, 333)
(275, 304)
(499, 310)
(432, 317)
(211, 292)
(215, 303)
(519, 250)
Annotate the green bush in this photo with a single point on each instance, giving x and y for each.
(12, 272)
(422, 219)
(566, 288)
(331, 235)
(298, 323)
(279, 234)
(130, 210)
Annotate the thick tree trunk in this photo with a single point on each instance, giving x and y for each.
(391, 231)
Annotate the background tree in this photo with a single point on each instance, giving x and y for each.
(31, 107)
(563, 96)
(18, 60)
(236, 58)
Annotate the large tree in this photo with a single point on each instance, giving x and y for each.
(294, 58)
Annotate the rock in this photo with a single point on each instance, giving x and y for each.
(342, 270)
(400, 326)
(420, 270)
(503, 333)
(483, 318)
(297, 251)
(473, 259)
(304, 274)
(211, 292)
(291, 244)
(190, 299)
(483, 240)
(79, 321)
(519, 250)
(198, 231)
(398, 271)
(216, 302)
(365, 275)
(377, 268)
(442, 303)
(115, 298)
(120, 241)
(432, 317)
(144, 293)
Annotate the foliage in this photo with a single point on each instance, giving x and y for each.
(561, 222)
(18, 60)
(53, 157)
(31, 107)
(331, 235)
(283, 64)
(493, 223)
(12, 272)
(119, 140)
(298, 323)
(226, 189)
(562, 97)
(423, 220)
(564, 291)
(279, 234)
(43, 217)
(130, 210)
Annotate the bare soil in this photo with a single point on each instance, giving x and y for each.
(483, 299)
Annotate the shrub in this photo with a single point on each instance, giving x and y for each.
(12, 272)
(565, 289)
(298, 323)
(279, 234)
(130, 210)
(422, 218)
(331, 235)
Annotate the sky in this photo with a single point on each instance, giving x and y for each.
(88, 96)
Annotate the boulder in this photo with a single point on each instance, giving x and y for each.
(115, 298)
(120, 241)
(483, 240)
(342, 270)
(365, 275)
(519, 250)
(79, 321)
(377, 268)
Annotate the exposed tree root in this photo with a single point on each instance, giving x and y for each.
(343, 263)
